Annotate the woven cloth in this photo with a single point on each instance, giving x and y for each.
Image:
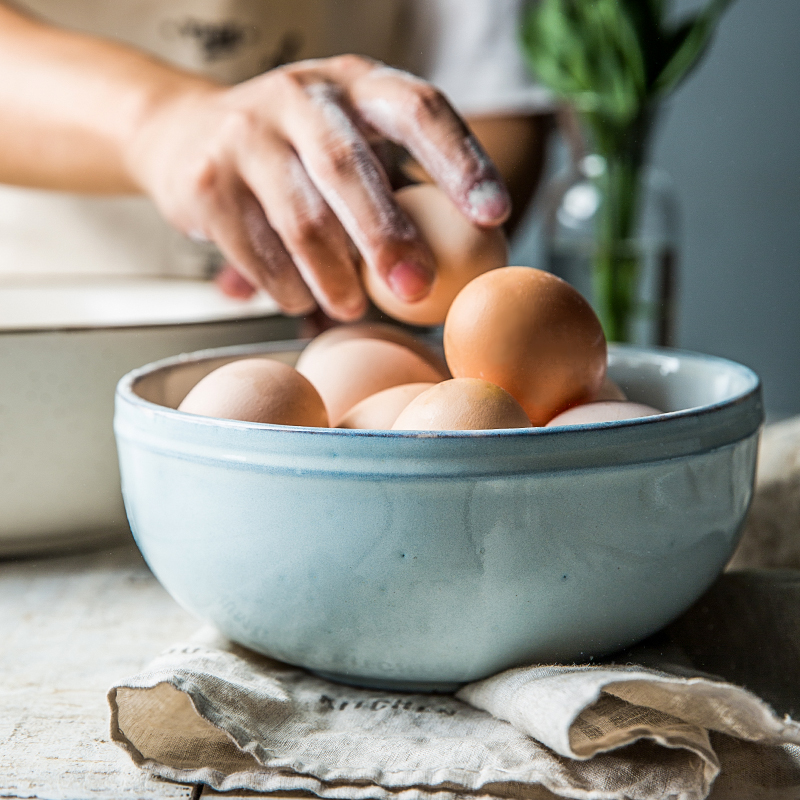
(702, 707)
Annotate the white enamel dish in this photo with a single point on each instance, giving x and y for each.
(64, 344)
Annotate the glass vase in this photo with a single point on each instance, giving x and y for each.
(630, 281)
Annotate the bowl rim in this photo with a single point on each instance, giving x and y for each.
(261, 309)
(154, 326)
(126, 385)
(666, 435)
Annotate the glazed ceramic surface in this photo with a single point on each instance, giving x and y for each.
(424, 560)
(63, 348)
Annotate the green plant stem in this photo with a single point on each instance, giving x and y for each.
(616, 262)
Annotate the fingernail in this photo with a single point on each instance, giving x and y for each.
(352, 309)
(489, 202)
(409, 280)
(233, 284)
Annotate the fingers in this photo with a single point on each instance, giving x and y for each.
(232, 284)
(347, 174)
(236, 222)
(309, 230)
(280, 173)
(415, 114)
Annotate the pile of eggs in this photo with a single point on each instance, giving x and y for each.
(522, 348)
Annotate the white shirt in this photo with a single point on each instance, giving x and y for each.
(466, 47)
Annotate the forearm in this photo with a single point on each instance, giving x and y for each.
(73, 104)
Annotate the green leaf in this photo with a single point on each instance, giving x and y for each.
(613, 57)
(647, 19)
(589, 51)
(689, 42)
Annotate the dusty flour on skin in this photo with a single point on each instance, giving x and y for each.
(311, 205)
(488, 199)
(385, 71)
(308, 204)
(390, 222)
(466, 175)
(266, 244)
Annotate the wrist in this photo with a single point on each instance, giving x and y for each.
(160, 96)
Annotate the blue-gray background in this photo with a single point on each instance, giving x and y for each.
(730, 139)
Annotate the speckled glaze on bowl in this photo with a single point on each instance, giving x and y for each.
(412, 560)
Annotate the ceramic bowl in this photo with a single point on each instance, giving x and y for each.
(421, 561)
(64, 344)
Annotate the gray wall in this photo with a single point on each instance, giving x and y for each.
(730, 138)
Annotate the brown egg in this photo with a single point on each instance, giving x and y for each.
(462, 404)
(257, 390)
(605, 411)
(610, 390)
(461, 251)
(348, 371)
(531, 333)
(379, 411)
(370, 330)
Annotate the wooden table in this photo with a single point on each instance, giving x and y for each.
(69, 627)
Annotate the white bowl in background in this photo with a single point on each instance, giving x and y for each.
(64, 344)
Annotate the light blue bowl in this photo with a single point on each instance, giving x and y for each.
(425, 560)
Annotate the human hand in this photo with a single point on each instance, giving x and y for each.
(281, 174)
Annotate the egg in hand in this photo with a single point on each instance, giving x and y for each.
(461, 251)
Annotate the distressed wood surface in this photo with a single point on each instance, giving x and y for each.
(69, 627)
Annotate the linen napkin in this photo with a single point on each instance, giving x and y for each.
(654, 722)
